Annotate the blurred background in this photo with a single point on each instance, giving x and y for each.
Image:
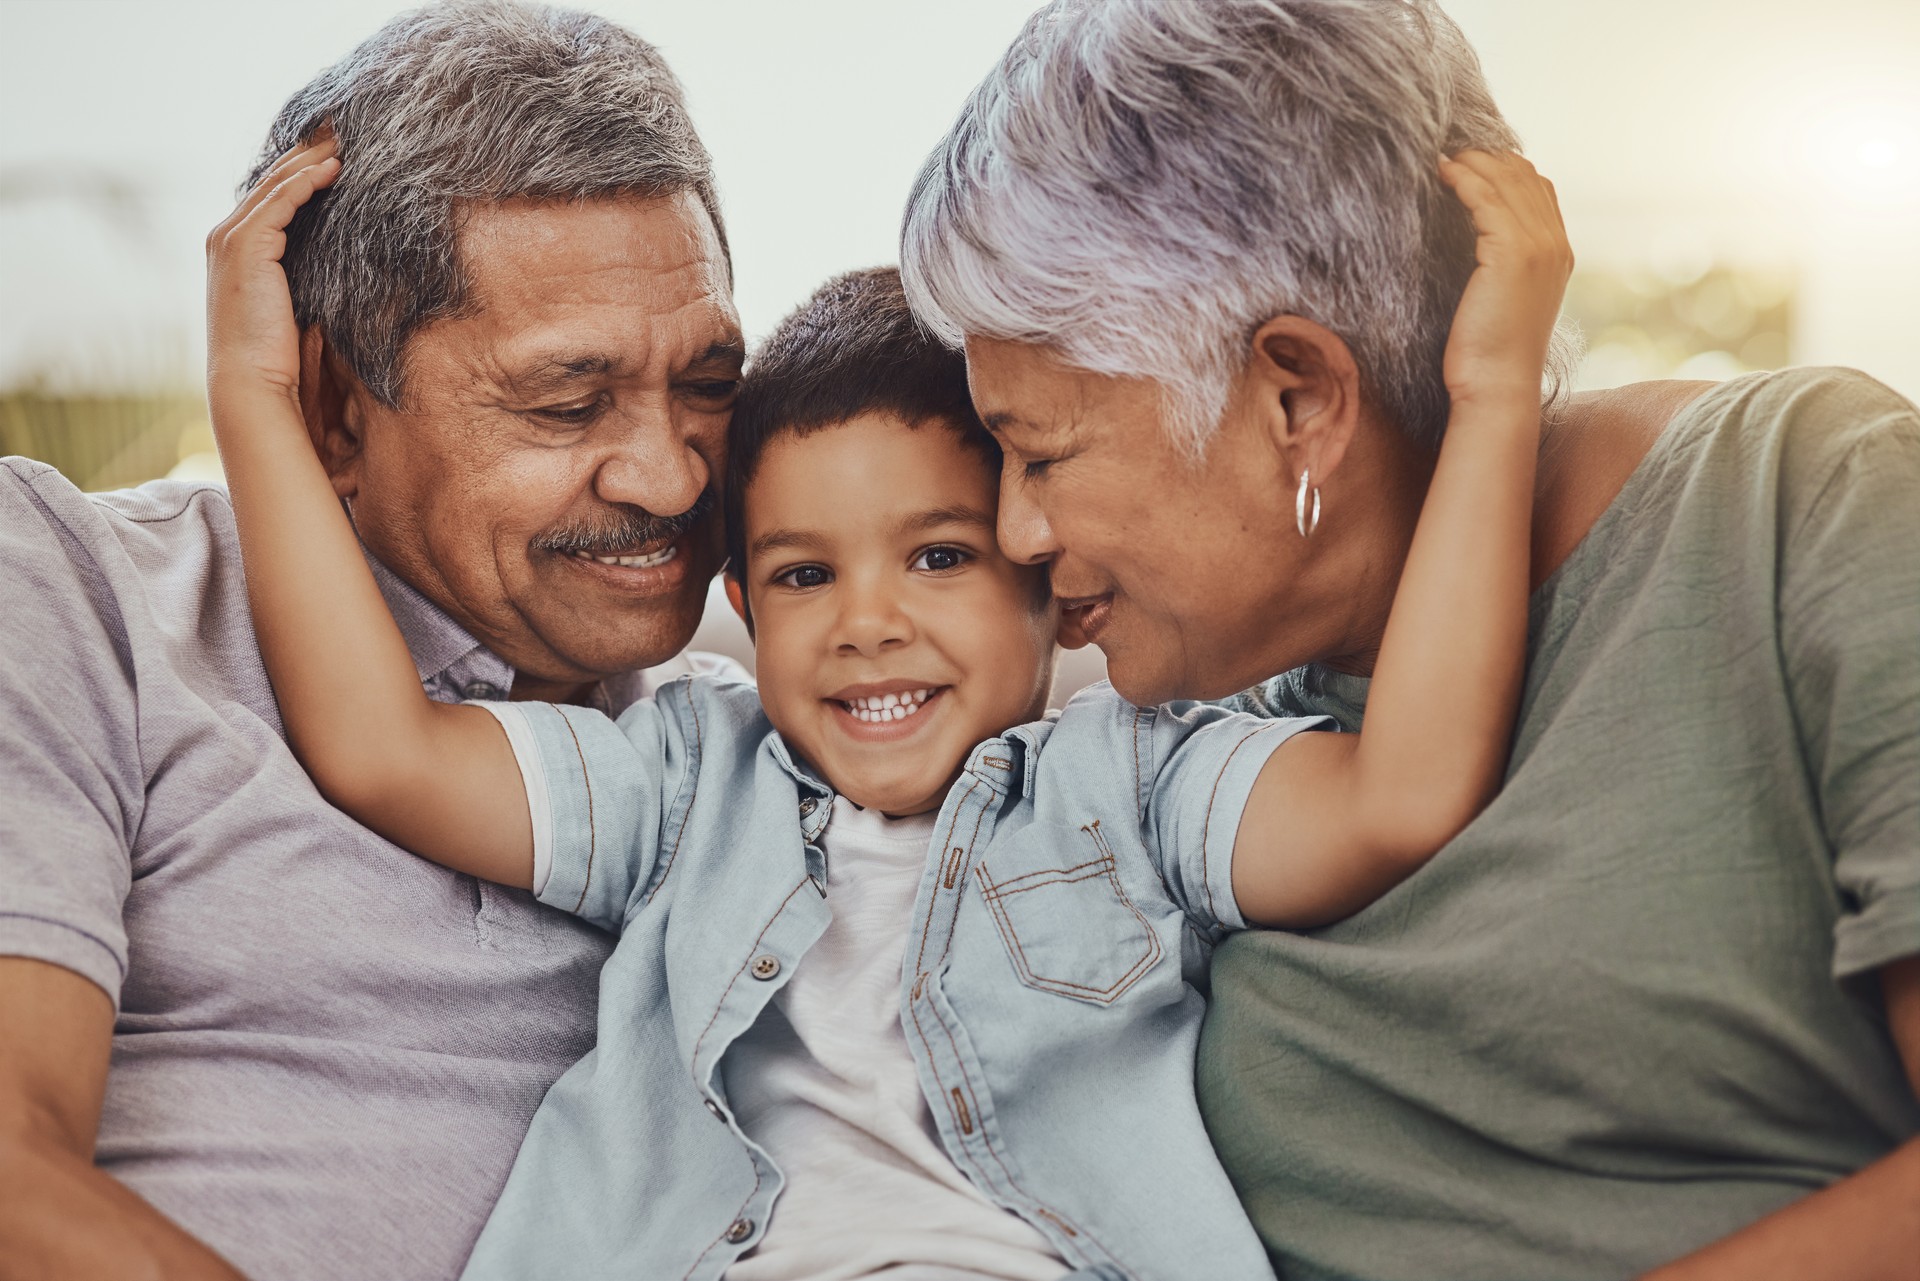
(1741, 178)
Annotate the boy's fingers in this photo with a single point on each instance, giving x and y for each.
(322, 147)
(279, 206)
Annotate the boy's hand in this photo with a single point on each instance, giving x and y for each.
(1498, 344)
(253, 344)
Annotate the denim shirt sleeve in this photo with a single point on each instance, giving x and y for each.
(597, 790)
(1205, 760)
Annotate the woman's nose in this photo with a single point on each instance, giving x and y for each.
(1025, 535)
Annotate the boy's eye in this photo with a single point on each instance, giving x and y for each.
(940, 560)
(1035, 468)
(804, 576)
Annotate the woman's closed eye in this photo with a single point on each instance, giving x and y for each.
(941, 559)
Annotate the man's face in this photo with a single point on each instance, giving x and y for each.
(890, 634)
(1179, 570)
(548, 478)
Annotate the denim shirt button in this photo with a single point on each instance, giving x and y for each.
(808, 806)
(739, 1230)
(483, 691)
(765, 967)
(714, 1108)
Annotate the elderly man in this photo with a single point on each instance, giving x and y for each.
(236, 1029)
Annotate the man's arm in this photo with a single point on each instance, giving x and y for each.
(1864, 1228)
(60, 1216)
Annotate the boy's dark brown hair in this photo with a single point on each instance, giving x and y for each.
(853, 348)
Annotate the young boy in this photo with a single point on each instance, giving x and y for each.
(909, 977)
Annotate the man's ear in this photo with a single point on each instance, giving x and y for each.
(327, 391)
(1305, 394)
(736, 597)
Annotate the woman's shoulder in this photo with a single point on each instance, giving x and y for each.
(1590, 452)
(1799, 423)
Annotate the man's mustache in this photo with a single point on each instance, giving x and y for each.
(621, 528)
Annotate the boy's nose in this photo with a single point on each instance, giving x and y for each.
(871, 621)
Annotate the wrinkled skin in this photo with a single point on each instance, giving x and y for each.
(580, 398)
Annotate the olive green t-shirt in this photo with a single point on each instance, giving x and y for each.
(1632, 1007)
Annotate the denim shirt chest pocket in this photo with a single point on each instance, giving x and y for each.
(1068, 925)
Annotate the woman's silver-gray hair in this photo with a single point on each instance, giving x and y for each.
(455, 105)
(1140, 184)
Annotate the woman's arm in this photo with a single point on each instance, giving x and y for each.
(1335, 820)
(1863, 1228)
(439, 780)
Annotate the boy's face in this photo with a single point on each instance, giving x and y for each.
(891, 635)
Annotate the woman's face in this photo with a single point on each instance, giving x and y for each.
(1179, 570)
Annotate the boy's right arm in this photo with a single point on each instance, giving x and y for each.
(436, 779)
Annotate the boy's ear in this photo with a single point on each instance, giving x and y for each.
(736, 597)
(326, 395)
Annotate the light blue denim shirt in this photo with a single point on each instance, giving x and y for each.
(1051, 991)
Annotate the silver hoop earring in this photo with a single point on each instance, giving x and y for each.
(1302, 520)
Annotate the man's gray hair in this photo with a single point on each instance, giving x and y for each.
(1139, 185)
(455, 105)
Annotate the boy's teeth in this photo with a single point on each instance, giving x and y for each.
(878, 709)
(635, 562)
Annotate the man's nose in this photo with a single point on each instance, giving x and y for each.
(872, 619)
(1026, 537)
(652, 464)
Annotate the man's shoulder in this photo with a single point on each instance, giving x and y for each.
(55, 538)
(156, 513)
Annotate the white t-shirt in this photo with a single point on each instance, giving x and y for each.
(825, 1083)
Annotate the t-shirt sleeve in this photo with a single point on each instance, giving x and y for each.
(71, 784)
(1850, 639)
(598, 792)
(1206, 759)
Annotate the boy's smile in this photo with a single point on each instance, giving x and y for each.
(891, 635)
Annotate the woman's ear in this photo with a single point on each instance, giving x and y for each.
(1304, 389)
(327, 392)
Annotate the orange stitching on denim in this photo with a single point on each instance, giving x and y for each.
(1098, 995)
(694, 1057)
(920, 959)
(744, 1205)
(966, 1117)
(920, 966)
(1206, 827)
(593, 838)
(1139, 770)
(987, 1139)
(999, 886)
(953, 868)
(700, 764)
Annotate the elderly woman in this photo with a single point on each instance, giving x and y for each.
(1661, 1003)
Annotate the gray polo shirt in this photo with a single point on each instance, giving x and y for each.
(327, 1051)
(1632, 1007)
